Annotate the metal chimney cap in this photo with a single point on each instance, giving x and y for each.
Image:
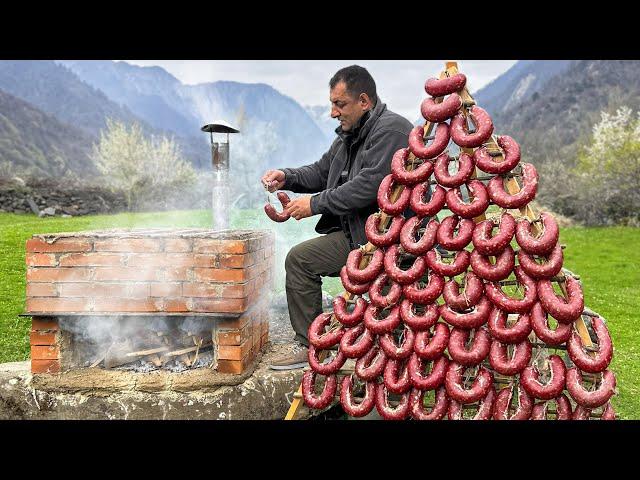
(219, 126)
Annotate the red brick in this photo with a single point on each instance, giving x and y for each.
(220, 305)
(91, 259)
(60, 245)
(256, 334)
(161, 260)
(177, 274)
(45, 352)
(54, 304)
(234, 352)
(264, 339)
(58, 274)
(125, 305)
(234, 323)
(206, 261)
(129, 245)
(42, 290)
(177, 245)
(207, 245)
(41, 260)
(165, 289)
(234, 337)
(131, 290)
(220, 275)
(175, 305)
(127, 274)
(38, 337)
(217, 290)
(44, 323)
(45, 366)
(239, 261)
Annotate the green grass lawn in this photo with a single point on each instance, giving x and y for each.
(605, 258)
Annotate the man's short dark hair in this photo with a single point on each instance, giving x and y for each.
(357, 79)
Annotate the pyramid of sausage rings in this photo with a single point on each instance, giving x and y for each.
(406, 342)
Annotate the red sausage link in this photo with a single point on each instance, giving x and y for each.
(371, 364)
(515, 333)
(562, 310)
(540, 325)
(503, 400)
(473, 290)
(466, 167)
(590, 398)
(493, 272)
(477, 350)
(417, 322)
(600, 361)
(431, 380)
(438, 411)
(475, 318)
(460, 263)
(384, 194)
(375, 292)
(409, 177)
(446, 237)
(608, 413)
(454, 384)
(332, 366)
(321, 339)
(325, 398)
(431, 346)
(439, 112)
(386, 411)
(511, 150)
(384, 239)
(398, 275)
(367, 274)
(529, 378)
(460, 132)
(484, 411)
(439, 87)
(543, 244)
(511, 305)
(426, 241)
(497, 192)
(485, 244)
(581, 413)
(346, 318)
(347, 400)
(440, 141)
(427, 294)
(477, 206)
(396, 380)
(504, 365)
(356, 341)
(380, 326)
(563, 409)
(433, 206)
(549, 269)
(351, 287)
(271, 211)
(397, 351)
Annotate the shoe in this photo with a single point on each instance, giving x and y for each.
(298, 357)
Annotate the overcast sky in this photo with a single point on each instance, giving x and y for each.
(400, 82)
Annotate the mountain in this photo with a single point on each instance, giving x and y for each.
(39, 143)
(164, 102)
(321, 114)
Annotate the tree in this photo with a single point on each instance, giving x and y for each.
(141, 167)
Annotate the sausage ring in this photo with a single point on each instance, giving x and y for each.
(271, 212)
(473, 290)
(543, 244)
(431, 380)
(485, 162)
(426, 241)
(493, 272)
(399, 412)
(562, 310)
(384, 200)
(375, 292)
(477, 350)
(581, 413)
(417, 322)
(409, 177)
(540, 325)
(459, 264)
(563, 409)
(531, 383)
(486, 244)
(396, 381)
(321, 339)
(343, 316)
(467, 320)
(439, 87)
(384, 239)
(476, 207)
(503, 400)
(439, 112)
(460, 131)
(511, 305)
(446, 237)
(368, 273)
(348, 403)
(587, 398)
(430, 346)
(433, 206)
(380, 326)
(424, 296)
(484, 411)
(356, 341)
(549, 269)
(332, 366)
(351, 287)
(504, 365)
(416, 405)
(497, 193)
(466, 167)
(601, 359)
(325, 398)
(397, 351)
(440, 141)
(398, 275)
(516, 333)
(454, 384)
(371, 364)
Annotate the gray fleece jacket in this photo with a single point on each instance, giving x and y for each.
(369, 149)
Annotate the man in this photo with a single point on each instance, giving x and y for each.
(346, 181)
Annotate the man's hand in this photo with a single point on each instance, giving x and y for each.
(300, 207)
(273, 180)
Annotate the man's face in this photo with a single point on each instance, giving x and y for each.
(347, 109)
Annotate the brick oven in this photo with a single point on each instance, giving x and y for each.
(149, 299)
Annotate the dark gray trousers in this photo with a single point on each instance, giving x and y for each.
(323, 256)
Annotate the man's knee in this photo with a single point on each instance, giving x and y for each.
(293, 259)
